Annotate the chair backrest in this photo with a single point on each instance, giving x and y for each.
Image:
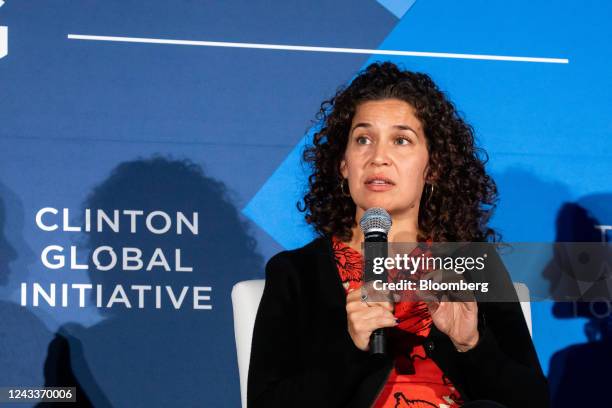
(522, 292)
(245, 300)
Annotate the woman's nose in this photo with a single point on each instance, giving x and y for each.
(381, 155)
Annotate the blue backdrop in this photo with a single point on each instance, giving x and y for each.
(217, 129)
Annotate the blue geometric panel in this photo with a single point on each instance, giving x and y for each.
(273, 208)
(397, 7)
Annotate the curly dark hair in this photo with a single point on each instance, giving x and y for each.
(464, 194)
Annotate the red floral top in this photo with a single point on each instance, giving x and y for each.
(415, 381)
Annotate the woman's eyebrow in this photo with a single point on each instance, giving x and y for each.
(361, 124)
(368, 125)
(405, 127)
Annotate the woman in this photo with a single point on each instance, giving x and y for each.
(390, 139)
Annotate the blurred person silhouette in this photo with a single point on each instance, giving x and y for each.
(578, 374)
(23, 335)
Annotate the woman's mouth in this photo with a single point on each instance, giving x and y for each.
(379, 183)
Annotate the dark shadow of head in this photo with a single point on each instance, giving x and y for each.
(220, 253)
(572, 224)
(576, 259)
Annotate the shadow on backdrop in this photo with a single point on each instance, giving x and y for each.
(579, 374)
(162, 357)
(23, 336)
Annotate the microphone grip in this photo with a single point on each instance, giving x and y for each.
(378, 342)
(375, 246)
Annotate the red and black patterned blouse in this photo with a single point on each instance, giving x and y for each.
(415, 380)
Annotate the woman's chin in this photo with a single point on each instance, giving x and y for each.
(381, 202)
(390, 205)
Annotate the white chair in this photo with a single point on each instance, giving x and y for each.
(245, 300)
(522, 291)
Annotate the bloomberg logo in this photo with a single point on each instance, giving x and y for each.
(3, 38)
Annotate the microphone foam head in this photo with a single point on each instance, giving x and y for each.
(375, 219)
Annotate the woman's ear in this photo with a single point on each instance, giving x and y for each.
(343, 169)
(428, 176)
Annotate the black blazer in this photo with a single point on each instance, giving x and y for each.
(302, 354)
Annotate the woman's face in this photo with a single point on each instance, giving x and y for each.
(386, 157)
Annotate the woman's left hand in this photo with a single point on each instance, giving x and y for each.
(458, 320)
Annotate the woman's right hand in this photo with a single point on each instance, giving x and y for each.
(363, 318)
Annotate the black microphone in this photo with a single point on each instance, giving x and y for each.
(375, 224)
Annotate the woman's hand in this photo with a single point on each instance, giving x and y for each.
(458, 320)
(363, 318)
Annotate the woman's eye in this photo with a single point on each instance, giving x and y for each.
(362, 140)
(403, 141)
